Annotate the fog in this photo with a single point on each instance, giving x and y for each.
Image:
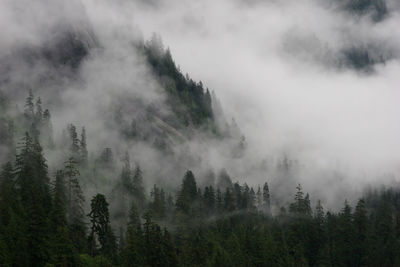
(273, 66)
(277, 67)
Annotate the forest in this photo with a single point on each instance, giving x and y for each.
(47, 220)
(111, 155)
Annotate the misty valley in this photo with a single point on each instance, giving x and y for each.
(278, 148)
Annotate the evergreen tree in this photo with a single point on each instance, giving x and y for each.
(83, 148)
(74, 147)
(62, 250)
(229, 204)
(12, 225)
(75, 198)
(29, 110)
(74, 205)
(266, 199)
(100, 228)
(138, 189)
(158, 205)
(133, 253)
(360, 226)
(259, 197)
(224, 180)
(187, 194)
(33, 187)
(39, 111)
(47, 129)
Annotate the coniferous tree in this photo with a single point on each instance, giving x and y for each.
(133, 253)
(266, 199)
(100, 229)
(74, 147)
(229, 204)
(259, 198)
(29, 109)
(346, 236)
(83, 148)
(39, 111)
(47, 129)
(12, 224)
(361, 227)
(75, 198)
(157, 205)
(62, 250)
(224, 180)
(137, 186)
(187, 194)
(33, 187)
(74, 205)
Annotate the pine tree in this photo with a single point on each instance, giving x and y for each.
(62, 250)
(101, 229)
(47, 129)
(187, 194)
(224, 180)
(138, 189)
(74, 205)
(219, 201)
(360, 226)
(133, 254)
(346, 236)
(29, 110)
(209, 198)
(168, 250)
(75, 198)
(83, 148)
(319, 237)
(301, 204)
(158, 205)
(266, 199)
(252, 200)
(126, 176)
(74, 147)
(259, 199)
(39, 111)
(229, 204)
(12, 224)
(33, 187)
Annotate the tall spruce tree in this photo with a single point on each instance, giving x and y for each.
(100, 229)
(187, 194)
(266, 199)
(33, 187)
(74, 205)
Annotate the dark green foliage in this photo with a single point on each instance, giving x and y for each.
(31, 176)
(137, 186)
(158, 203)
(100, 229)
(218, 223)
(266, 199)
(187, 194)
(83, 148)
(74, 205)
(62, 249)
(190, 102)
(36, 121)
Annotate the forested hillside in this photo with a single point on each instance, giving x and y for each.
(112, 155)
(44, 221)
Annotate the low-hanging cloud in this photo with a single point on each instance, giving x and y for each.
(292, 101)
